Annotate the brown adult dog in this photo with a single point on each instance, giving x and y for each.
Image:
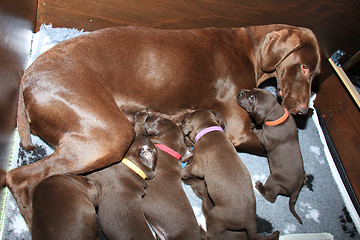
(166, 205)
(230, 204)
(64, 205)
(76, 96)
(279, 136)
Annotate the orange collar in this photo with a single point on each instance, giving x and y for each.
(278, 121)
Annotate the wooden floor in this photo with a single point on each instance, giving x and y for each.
(342, 118)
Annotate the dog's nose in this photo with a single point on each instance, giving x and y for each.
(302, 109)
(241, 94)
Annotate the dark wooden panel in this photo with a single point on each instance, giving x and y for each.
(334, 22)
(17, 21)
(342, 118)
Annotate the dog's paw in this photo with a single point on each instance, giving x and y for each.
(139, 120)
(260, 187)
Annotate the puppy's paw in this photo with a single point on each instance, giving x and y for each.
(260, 187)
(140, 119)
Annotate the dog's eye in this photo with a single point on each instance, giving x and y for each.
(305, 67)
(252, 96)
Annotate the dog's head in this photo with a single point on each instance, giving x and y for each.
(144, 154)
(292, 55)
(197, 121)
(164, 131)
(257, 102)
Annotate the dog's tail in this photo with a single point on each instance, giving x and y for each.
(274, 236)
(292, 201)
(23, 124)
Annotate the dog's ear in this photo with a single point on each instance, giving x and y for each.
(187, 141)
(140, 119)
(219, 119)
(153, 126)
(186, 157)
(186, 126)
(277, 46)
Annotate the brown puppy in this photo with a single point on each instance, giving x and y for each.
(230, 202)
(166, 205)
(64, 205)
(279, 136)
(76, 96)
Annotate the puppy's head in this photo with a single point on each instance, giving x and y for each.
(144, 154)
(197, 121)
(257, 102)
(164, 131)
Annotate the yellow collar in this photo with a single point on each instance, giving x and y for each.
(134, 167)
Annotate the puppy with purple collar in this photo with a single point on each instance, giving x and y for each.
(279, 136)
(228, 201)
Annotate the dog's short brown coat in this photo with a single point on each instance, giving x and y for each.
(281, 143)
(228, 198)
(64, 205)
(166, 206)
(77, 95)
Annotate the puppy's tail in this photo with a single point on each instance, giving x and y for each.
(23, 122)
(292, 201)
(273, 236)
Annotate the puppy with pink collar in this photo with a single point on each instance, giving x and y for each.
(219, 177)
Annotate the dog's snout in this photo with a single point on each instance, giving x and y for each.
(241, 94)
(302, 109)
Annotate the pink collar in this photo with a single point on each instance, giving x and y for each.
(207, 130)
(169, 151)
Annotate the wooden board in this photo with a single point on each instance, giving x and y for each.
(332, 21)
(342, 118)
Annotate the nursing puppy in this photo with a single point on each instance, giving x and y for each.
(229, 201)
(166, 205)
(279, 136)
(64, 205)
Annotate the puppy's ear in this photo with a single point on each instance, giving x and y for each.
(148, 156)
(186, 157)
(277, 46)
(152, 127)
(187, 141)
(186, 126)
(219, 119)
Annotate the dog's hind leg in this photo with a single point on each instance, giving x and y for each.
(269, 190)
(99, 143)
(216, 222)
(64, 208)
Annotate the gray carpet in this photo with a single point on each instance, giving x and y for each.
(322, 205)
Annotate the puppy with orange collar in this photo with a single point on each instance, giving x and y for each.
(279, 136)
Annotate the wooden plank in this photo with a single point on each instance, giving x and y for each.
(17, 20)
(331, 21)
(342, 118)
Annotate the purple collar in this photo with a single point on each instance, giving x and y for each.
(207, 130)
